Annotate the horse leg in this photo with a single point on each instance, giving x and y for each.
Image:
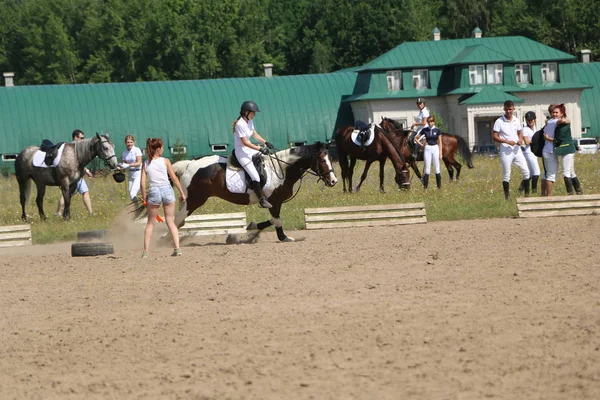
(39, 200)
(275, 220)
(458, 166)
(381, 174)
(350, 173)
(415, 167)
(364, 176)
(449, 168)
(343, 160)
(24, 189)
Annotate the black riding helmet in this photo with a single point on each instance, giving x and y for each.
(119, 177)
(529, 116)
(249, 106)
(420, 100)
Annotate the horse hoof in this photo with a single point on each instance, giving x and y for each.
(252, 226)
(287, 239)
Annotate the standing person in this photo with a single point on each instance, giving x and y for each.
(532, 161)
(132, 160)
(432, 151)
(548, 157)
(564, 147)
(420, 123)
(156, 170)
(82, 186)
(243, 130)
(507, 131)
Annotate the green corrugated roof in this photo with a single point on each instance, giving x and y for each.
(442, 52)
(199, 113)
(491, 95)
(522, 88)
(589, 73)
(479, 54)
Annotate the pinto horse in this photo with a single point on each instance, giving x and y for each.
(380, 150)
(451, 143)
(206, 177)
(75, 156)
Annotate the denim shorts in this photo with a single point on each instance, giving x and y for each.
(163, 194)
(82, 187)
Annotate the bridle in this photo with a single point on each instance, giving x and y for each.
(108, 158)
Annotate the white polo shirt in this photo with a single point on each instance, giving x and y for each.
(422, 117)
(507, 130)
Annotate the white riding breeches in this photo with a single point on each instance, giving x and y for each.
(246, 161)
(431, 152)
(135, 179)
(510, 155)
(532, 162)
(568, 165)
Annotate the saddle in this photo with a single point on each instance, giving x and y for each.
(257, 160)
(364, 133)
(51, 151)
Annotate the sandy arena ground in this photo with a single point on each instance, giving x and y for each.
(503, 309)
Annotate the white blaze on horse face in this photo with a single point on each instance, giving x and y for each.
(332, 178)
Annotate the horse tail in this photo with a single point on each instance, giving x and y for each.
(465, 153)
(180, 166)
(28, 188)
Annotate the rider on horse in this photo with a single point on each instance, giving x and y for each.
(420, 123)
(243, 130)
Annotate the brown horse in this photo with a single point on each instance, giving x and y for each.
(380, 150)
(205, 177)
(451, 143)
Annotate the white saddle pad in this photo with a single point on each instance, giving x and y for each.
(235, 180)
(39, 156)
(371, 136)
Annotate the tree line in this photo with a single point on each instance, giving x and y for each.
(93, 41)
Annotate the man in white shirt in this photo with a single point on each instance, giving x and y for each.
(507, 131)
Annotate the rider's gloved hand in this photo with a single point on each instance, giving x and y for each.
(269, 145)
(264, 151)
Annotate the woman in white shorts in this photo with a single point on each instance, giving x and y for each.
(532, 160)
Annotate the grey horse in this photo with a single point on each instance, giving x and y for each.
(76, 155)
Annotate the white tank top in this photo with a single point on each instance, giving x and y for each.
(157, 172)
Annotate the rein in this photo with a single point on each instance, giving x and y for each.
(305, 171)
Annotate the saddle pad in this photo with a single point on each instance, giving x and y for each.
(39, 156)
(368, 142)
(235, 180)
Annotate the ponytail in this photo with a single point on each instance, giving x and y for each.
(152, 146)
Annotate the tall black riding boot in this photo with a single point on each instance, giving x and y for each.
(569, 185)
(521, 188)
(438, 180)
(425, 180)
(506, 187)
(525, 184)
(534, 182)
(264, 203)
(577, 185)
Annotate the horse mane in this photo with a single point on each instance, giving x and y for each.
(179, 167)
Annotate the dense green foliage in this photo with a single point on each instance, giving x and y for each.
(80, 41)
(478, 195)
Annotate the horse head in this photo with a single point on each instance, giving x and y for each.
(322, 165)
(391, 125)
(403, 178)
(105, 150)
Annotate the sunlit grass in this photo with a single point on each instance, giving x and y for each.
(477, 195)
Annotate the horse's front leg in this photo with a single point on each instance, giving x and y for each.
(413, 165)
(350, 173)
(39, 200)
(275, 220)
(381, 174)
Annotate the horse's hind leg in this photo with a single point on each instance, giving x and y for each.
(458, 166)
(24, 188)
(39, 200)
(364, 176)
(449, 168)
(350, 173)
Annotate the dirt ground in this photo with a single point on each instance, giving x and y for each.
(506, 309)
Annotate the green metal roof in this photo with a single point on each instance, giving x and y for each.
(522, 88)
(446, 52)
(490, 95)
(589, 73)
(197, 113)
(476, 53)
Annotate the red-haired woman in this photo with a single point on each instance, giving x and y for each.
(564, 147)
(156, 171)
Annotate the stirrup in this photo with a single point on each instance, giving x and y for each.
(264, 203)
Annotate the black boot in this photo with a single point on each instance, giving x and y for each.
(577, 185)
(438, 180)
(264, 203)
(425, 180)
(534, 182)
(506, 187)
(569, 185)
(525, 185)
(521, 187)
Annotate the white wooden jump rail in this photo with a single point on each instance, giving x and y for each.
(533, 207)
(15, 235)
(214, 224)
(358, 216)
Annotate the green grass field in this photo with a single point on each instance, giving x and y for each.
(477, 195)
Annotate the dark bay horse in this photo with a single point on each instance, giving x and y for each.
(75, 156)
(451, 144)
(380, 150)
(205, 177)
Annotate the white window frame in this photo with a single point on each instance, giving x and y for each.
(476, 71)
(549, 72)
(11, 157)
(420, 78)
(493, 74)
(219, 148)
(394, 80)
(178, 150)
(523, 73)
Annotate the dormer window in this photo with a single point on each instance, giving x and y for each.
(476, 74)
(420, 79)
(394, 80)
(549, 72)
(494, 74)
(522, 74)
